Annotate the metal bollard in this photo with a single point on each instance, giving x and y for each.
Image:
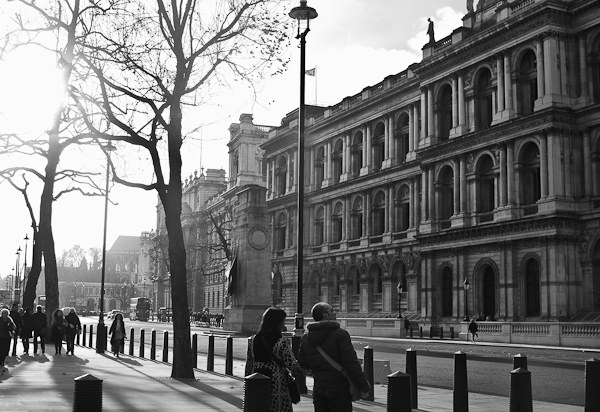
(142, 342)
(592, 382)
(91, 335)
(210, 356)
(131, 339)
(399, 393)
(84, 332)
(88, 394)
(411, 369)
(368, 370)
(461, 391)
(451, 332)
(411, 331)
(441, 332)
(421, 332)
(153, 345)
(519, 361)
(229, 357)
(520, 391)
(165, 357)
(195, 350)
(77, 337)
(257, 393)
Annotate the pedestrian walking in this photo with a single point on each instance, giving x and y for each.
(26, 331)
(7, 331)
(117, 332)
(18, 321)
(270, 354)
(406, 326)
(73, 329)
(59, 326)
(331, 391)
(39, 321)
(473, 329)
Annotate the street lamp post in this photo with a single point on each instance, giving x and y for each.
(399, 287)
(25, 274)
(303, 15)
(17, 279)
(466, 287)
(101, 333)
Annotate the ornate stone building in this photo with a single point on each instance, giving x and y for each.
(477, 166)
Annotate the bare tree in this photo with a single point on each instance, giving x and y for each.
(59, 27)
(153, 62)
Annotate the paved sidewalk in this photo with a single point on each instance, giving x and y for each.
(45, 383)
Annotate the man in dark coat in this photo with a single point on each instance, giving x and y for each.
(39, 322)
(330, 390)
(16, 317)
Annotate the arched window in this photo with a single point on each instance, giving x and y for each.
(402, 209)
(401, 138)
(356, 155)
(336, 159)
(446, 196)
(489, 293)
(447, 292)
(444, 111)
(527, 83)
(337, 222)
(378, 146)
(320, 167)
(281, 176)
(532, 288)
(277, 288)
(319, 226)
(485, 187)
(356, 219)
(529, 173)
(483, 100)
(280, 231)
(378, 213)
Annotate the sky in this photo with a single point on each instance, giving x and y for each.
(352, 44)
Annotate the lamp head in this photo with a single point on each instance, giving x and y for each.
(303, 15)
(466, 284)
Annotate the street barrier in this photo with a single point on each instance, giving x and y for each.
(195, 350)
(257, 393)
(368, 371)
(229, 356)
(519, 361)
(91, 335)
(84, 335)
(411, 369)
(165, 357)
(460, 394)
(520, 391)
(210, 356)
(88, 394)
(131, 341)
(399, 390)
(592, 383)
(142, 342)
(153, 345)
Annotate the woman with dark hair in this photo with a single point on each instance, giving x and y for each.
(270, 354)
(59, 326)
(117, 330)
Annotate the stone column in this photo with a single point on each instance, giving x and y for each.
(311, 174)
(583, 75)
(552, 77)
(503, 176)
(454, 101)
(416, 133)
(416, 202)
(500, 74)
(430, 125)
(588, 189)
(413, 204)
(269, 180)
(424, 132)
(369, 146)
(295, 170)
(456, 188)
(544, 167)
(508, 101)
(463, 185)
(386, 138)
(389, 210)
(431, 193)
(461, 101)
(510, 174)
(367, 214)
(411, 132)
(347, 219)
(539, 55)
(347, 153)
(424, 194)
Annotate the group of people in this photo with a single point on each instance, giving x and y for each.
(323, 349)
(15, 324)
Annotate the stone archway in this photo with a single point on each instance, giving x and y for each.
(488, 293)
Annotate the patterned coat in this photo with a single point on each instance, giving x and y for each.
(280, 397)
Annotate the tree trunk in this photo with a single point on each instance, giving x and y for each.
(182, 351)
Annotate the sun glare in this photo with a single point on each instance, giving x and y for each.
(30, 91)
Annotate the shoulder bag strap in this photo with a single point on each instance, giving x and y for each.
(331, 361)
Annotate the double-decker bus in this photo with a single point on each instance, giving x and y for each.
(139, 309)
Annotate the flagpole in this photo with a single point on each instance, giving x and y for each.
(316, 101)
